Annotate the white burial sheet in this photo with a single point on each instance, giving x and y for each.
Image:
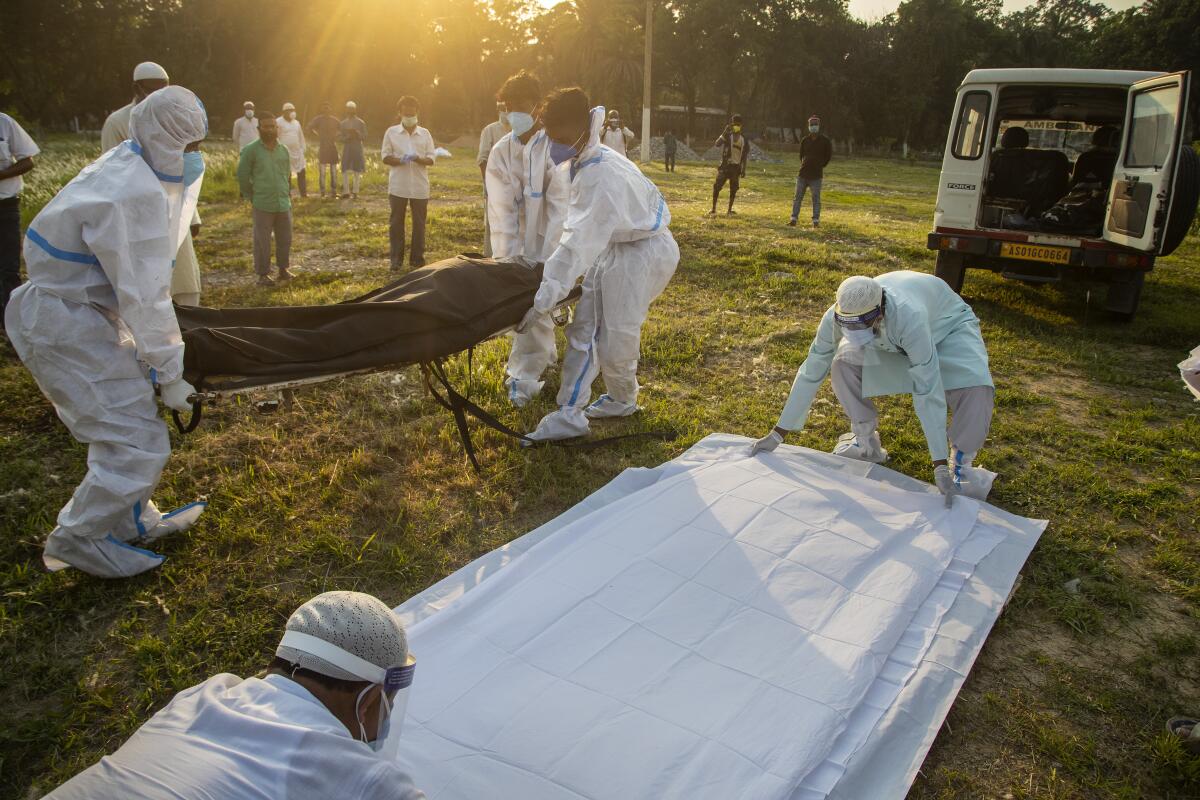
(793, 625)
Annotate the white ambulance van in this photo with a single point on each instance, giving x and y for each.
(1061, 174)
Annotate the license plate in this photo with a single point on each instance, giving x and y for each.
(1036, 252)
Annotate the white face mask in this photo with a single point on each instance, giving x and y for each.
(520, 122)
(814, 128)
(410, 121)
(249, 113)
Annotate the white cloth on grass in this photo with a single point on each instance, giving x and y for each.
(887, 759)
(710, 636)
(253, 739)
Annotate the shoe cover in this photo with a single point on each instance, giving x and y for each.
(520, 392)
(104, 558)
(176, 521)
(850, 445)
(976, 482)
(605, 407)
(566, 423)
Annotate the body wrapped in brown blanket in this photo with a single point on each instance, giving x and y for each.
(428, 314)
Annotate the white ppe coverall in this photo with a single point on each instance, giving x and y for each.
(185, 275)
(928, 345)
(252, 739)
(616, 237)
(96, 308)
(527, 202)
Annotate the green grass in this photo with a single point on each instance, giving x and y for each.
(364, 484)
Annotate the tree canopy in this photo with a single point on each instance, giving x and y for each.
(774, 61)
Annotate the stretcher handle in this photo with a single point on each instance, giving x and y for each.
(197, 413)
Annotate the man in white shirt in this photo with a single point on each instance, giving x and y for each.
(491, 133)
(314, 726)
(291, 136)
(408, 149)
(17, 150)
(527, 201)
(616, 136)
(185, 276)
(245, 127)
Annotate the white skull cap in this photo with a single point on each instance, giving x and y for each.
(166, 122)
(149, 71)
(351, 104)
(288, 107)
(858, 295)
(248, 104)
(358, 623)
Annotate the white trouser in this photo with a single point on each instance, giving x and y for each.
(605, 336)
(533, 350)
(89, 371)
(971, 408)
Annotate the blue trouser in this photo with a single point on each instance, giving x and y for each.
(803, 184)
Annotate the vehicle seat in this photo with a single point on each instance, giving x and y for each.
(1097, 164)
(1038, 177)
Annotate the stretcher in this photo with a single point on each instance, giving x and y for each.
(423, 318)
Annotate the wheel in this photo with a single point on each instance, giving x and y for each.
(1123, 297)
(951, 267)
(1183, 200)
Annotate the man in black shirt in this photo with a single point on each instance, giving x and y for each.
(815, 152)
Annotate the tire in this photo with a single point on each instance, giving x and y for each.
(1183, 200)
(951, 267)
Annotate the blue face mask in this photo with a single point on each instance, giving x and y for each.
(561, 152)
(193, 167)
(520, 122)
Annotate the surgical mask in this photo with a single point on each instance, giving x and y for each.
(193, 167)
(249, 114)
(411, 121)
(561, 152)
(520, 122)
(814, 128)
(737, 128)
(859, 339)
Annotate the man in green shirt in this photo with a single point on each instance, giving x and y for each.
(264, 176)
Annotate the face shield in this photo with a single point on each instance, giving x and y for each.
(394, 684)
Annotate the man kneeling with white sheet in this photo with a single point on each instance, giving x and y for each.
(901, 333)
(322, 722)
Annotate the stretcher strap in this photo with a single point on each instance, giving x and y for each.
(460, 406)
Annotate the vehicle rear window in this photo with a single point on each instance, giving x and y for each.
(971, 129)
(1152, 129)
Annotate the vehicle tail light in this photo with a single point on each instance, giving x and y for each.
(953, 243)
(1127, 260)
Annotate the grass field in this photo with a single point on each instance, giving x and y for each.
(363, 485)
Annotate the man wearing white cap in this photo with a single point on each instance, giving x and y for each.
(185, 276)
(318, 724)
(245, 127)
(291, 136)
(901, 333)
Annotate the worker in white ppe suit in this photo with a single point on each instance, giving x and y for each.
(527, 202)
(95, 326)
(323, 721)
(901, 333)
(615, 237)
(185, 277)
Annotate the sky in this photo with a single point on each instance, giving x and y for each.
(874, 9)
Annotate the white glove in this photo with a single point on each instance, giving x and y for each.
(175, 395)
(768, 443)
(531, 316)
(945, 483)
